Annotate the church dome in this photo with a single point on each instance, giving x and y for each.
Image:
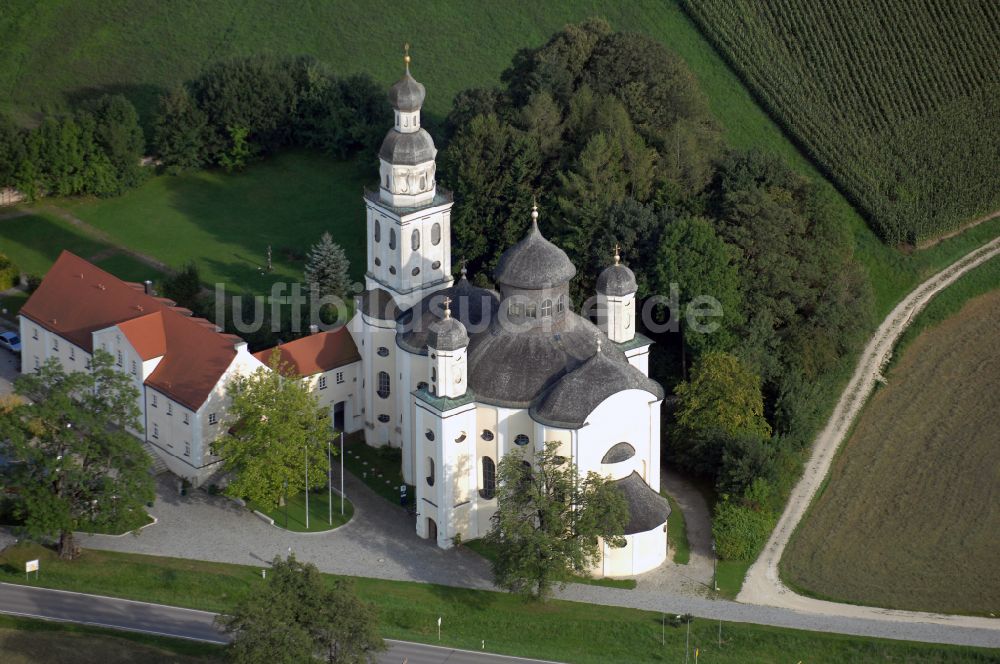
(617, 280)
(447, 334)
(534, 263)
(406, 94)
(474, 307)
(407, 149)
(511, 367)
(579, 392)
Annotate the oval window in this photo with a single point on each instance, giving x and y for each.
(422, 385)
(415, 271)
(415, 240)
(436, 234)
(384, 419)
(378, 261)
(521, 440)
(382, 351)
(487, 435)
(429, 434)
(436, 265)
(378, 231)
(392, 269)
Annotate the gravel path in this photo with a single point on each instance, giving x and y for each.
(763, 585)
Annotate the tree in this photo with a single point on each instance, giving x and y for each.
(179, 132)
(298, 616)
(549, 522)
(74, 461)
(327, 267)
(119, 136)
(702, 265)
(11, 150)
(722, 395)
(273, 424)
(238, 150)
(185, 287)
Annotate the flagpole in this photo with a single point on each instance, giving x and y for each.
(341, 473)
(307, 487)
(329, 482)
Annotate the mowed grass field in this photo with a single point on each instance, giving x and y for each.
(911, 511)
(554, 630)
(895, 100)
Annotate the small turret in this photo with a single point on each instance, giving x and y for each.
(447, 343)
(616, 289)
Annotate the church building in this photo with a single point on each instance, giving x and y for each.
(457, 376)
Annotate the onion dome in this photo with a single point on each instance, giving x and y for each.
(447, 333)
(407, 95)
(475, 307)
(407, 149)
(617, 280)
(534, 263)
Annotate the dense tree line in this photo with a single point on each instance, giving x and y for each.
(96, 149)
(240, 108)
(612, 133)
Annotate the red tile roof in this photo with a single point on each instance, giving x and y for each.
(317, 352)
(77, 298)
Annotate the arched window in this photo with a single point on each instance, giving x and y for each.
(415, 240)
(546, 308)
(392, 238)
(489, 489)
(378, 224)
(521, 440)
(430, 471)
(561, 304)
(434, 373)
(383, 385)
(436, 234)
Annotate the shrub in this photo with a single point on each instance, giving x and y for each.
(8, 273)
(740, 532)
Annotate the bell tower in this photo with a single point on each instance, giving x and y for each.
(409, 217)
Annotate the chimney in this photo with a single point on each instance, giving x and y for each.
(147, 287)
(314, 329)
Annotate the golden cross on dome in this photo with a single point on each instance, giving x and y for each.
(618, 258)
(406, 55)
(447, 307)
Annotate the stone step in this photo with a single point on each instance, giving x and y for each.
(159, 465)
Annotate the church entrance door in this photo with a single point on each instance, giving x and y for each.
(432, 530)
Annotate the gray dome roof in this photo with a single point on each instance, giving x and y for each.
(473, 306)
(577, 394)
(617, 281)
(379, 303)
(534, 263)
(407, 94)
(646, 508)
(512, 367)
(447, 334)
(407, 149)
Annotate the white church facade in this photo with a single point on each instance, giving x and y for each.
(458, 376)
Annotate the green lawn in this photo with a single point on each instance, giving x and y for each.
(294, 517)
(677, 532)
(729, 577)
(557, 630)
(31, 641)
(381, 468)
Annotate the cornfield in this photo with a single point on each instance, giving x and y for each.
(896, 101)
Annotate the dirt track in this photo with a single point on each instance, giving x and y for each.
(762, 584)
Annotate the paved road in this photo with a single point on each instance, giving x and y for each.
(763, 584)
(190, 624)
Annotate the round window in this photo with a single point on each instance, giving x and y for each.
(521, 440)
(436, 265)
(422, 385)
(383, 351)
(461, 438)
(429, 434)
(487, 434)
(392, 269)
(378, 261)
(383, 418)
(416, 271)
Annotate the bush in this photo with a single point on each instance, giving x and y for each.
(740, 532)
(8, 273)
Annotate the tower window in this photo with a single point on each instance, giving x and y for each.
(531, 311)
(415, 240)
(515, 309)
(487, 435)
(430, 471)
(392, 269)
(392, 238)
(383, 418)
(429, 435)
(546, 308)
(382, 351)
(489, 479)
(378, 224)
(415, 271)
(436, 265)
(521, 440)
(436, 234)
(383, 385)
(561, 304)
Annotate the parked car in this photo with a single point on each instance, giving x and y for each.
(11, 342)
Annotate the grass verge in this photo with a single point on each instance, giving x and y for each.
(557, 630)
(293, 515)
(677, 532)
(31, 641)
(729, 577)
